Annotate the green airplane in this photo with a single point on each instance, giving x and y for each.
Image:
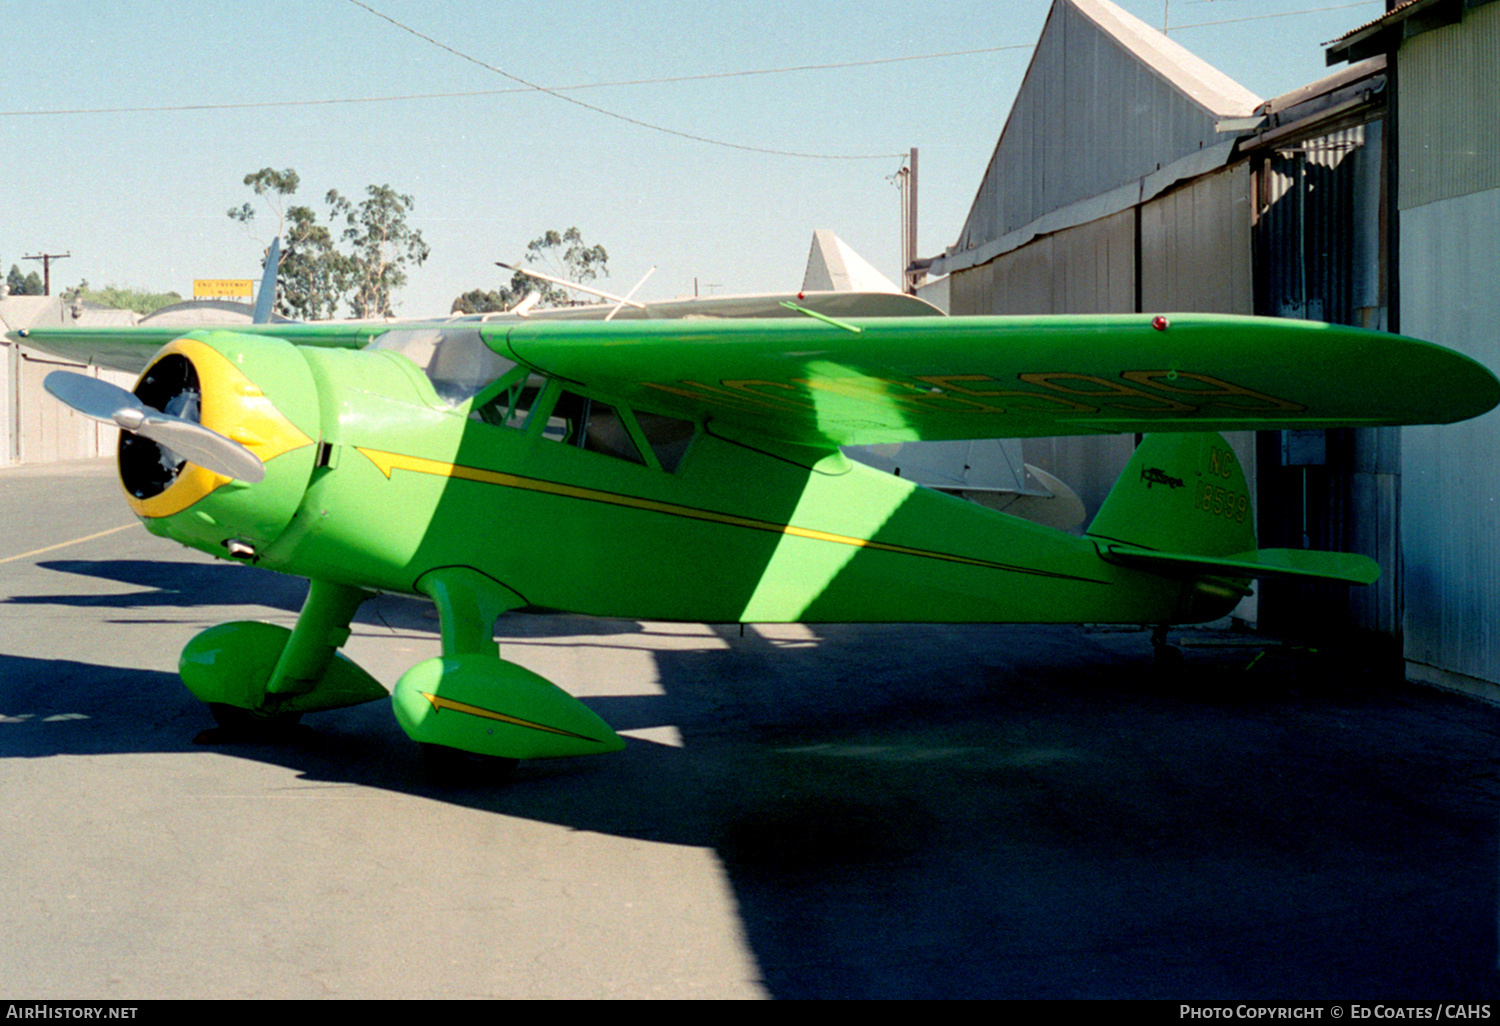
(681, 461)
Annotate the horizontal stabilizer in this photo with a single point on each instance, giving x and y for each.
(1331, 566)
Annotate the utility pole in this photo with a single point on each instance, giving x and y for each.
(46, 259)
(907, 180)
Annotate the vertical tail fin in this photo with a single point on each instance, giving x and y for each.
(1180, 493)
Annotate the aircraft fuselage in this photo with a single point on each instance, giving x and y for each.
(399, 483)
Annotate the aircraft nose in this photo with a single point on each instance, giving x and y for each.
(164, 431)
(201, 422)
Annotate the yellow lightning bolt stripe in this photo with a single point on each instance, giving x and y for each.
(439, 704)
(390, 461)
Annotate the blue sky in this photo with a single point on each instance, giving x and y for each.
(139, 198)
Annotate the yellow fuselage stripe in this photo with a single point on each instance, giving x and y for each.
(389, 461)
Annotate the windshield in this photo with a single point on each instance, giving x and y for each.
(455, 359)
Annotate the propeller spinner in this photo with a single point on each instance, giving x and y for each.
(176, 434)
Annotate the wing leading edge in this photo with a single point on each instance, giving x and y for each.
(868, 381)
(130, 349)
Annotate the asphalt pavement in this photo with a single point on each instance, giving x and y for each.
(801, 811)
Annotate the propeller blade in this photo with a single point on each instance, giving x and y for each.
(92, 397)
(111, 404)
(208, 449)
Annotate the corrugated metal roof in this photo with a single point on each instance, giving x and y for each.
(1393, 15)
(23, 311)
(1403, 21)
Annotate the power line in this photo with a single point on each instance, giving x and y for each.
(615, 114)
(1267, 17)
(528, 87)
(466, 94)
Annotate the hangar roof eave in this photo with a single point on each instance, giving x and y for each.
(1385, 33)
(1190, 74)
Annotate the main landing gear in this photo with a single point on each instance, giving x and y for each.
(471, 700)
(474, 714)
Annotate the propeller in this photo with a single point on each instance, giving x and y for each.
(111, 404)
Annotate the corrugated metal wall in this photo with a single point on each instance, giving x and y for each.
(1450, 253)
(1319, 247)
(49, 431)
(1194, 246)
(1088, 269)
(1318, 228)
(1449, 202)
(1105, 104)
(1450, 85)
(34, 427)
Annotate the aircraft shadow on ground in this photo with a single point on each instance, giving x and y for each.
(966, 812)
(171, 584)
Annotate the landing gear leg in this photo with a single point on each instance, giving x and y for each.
(322, 627)
(472, 704)
(1168, 658)
(259, 678)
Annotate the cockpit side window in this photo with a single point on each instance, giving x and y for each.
(508, 402)
(607, 432)
(567, 420)
(526, 401)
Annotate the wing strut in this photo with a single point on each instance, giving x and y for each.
(631, 293)
(565, 283)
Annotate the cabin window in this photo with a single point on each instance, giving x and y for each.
(606, 432)
(647, 439)
(668, 437)
(508, 402)
(565, 423)
(592, 425)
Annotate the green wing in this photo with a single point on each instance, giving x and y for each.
(875, 380)
(822, 381)
(130, 349)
